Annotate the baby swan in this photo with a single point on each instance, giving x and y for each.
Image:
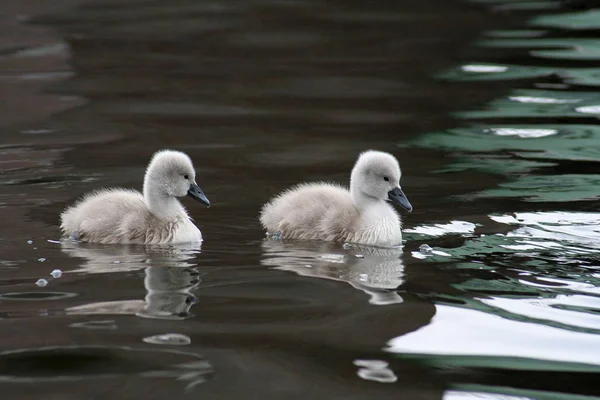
(130, 217)
(332, 213)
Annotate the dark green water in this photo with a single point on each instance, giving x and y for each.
(490, 106)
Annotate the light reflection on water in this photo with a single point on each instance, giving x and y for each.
(481, 337)
(170, 276)
(376, 271)
(529, 296)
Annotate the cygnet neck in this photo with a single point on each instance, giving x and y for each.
(361, 200)
(160, 203)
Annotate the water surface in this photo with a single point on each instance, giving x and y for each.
(491, 109)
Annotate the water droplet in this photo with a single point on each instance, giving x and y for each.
(363, 277)
(347, 246)
(41, 282)
(57, 273)
(30, 241)
(175, 339)
(425, 249)
(53, 241)
(359, 256)
(41, 259)
(308, 265)
(117, 262)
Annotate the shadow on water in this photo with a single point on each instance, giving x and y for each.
(495, 294)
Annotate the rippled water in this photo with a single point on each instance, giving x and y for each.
(490, 106)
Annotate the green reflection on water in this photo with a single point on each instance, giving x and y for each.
(551, 188)
(477, 71)
(538, 141)
(499, 165)
(520, 394)
(535, 260)
(567, 48)
(589, 19)
(514, 363)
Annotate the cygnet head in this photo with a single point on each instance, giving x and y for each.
(376, 176)
(171, 174)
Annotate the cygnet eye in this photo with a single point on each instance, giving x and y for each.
(385, 178)
(186, 176)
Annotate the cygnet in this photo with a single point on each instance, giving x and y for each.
(129, 217)
(329, 212)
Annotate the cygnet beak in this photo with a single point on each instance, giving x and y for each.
(397, 196)
(198, 194)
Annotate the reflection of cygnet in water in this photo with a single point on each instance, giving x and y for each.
(169, 277)
(376, 271)
(168, 294)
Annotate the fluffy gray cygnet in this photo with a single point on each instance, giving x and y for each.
(329, 212)
(130, 217)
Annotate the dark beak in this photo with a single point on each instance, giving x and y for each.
(397, 196)
(198, 194)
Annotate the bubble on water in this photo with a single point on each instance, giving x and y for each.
(425, 249)
(57, 273)
(30, 241)
(174, 339)
(347, 246)
(41, 259)
(41, 282)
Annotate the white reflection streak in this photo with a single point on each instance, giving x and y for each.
(443, 229)
(545, 309)
(484, 68)
(482, 334)
(542, 100)
(588, 109)
(523, 132)
(458, 395)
